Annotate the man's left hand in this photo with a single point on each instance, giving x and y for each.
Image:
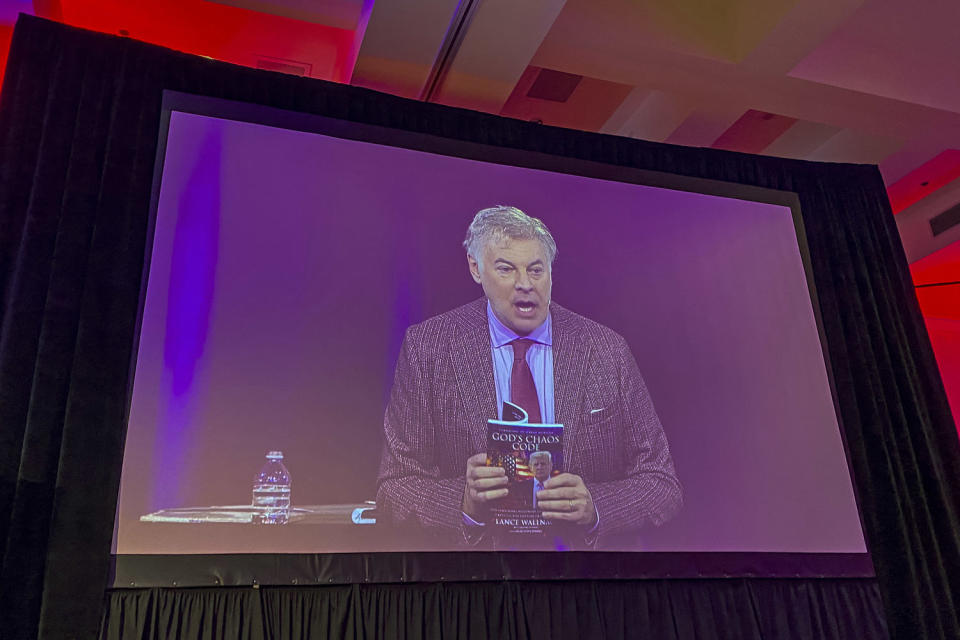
(565, 498)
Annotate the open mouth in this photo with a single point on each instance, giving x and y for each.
(525, 307)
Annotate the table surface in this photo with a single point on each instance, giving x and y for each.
(345, 514)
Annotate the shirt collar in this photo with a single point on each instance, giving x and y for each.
(501, 335)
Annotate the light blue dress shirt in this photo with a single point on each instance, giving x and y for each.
(540, 361)
(539, 358)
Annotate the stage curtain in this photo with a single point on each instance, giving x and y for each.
(746, 609)
(79, 116)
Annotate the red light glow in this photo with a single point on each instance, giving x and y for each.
(218, 31)
(924, 180)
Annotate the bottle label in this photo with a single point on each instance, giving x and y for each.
(271, 496)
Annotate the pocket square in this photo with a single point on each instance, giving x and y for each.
(595, 411)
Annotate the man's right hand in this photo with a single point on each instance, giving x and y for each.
(484, 484)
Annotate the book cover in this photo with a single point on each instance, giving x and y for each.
(530, 453)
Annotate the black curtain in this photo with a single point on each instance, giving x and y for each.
(655, 609)
(79, 116)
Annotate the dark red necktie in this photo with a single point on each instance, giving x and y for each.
(523, 391)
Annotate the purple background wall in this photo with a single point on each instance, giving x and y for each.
(287, 265)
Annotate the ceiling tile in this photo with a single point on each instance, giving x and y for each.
(400, 44)
(589, 106)
(801, 140)
(502, 38)
(703, 126)
(553, 85)
(725, 31)
(342, 14)
(902, 50)
(912, 155)
(753, 131)
(932, 175)
(855, 147)
(649, 115)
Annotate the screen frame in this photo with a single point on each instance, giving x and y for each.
(130, 570)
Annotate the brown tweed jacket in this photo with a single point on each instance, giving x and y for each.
(443, 393)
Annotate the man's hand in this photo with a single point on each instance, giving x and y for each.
(565, 498)
(483, 485)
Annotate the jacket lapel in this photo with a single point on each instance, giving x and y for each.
(474, 372)
(569, 367)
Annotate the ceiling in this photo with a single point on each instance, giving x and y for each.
(862, 81)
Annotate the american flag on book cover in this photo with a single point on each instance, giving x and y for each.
(515, 464)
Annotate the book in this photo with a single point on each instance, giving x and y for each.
(530, 453)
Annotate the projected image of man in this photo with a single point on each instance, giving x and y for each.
(455, 371)
(541, 464)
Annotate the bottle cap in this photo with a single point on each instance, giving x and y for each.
(275, 455)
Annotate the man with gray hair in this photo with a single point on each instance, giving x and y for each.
(541, 464)
(456, 370)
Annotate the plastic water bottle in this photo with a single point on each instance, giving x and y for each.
(271, 491)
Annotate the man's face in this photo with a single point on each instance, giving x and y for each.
(516, 280)
(541, 467)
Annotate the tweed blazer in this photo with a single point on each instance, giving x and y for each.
(444, 392)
